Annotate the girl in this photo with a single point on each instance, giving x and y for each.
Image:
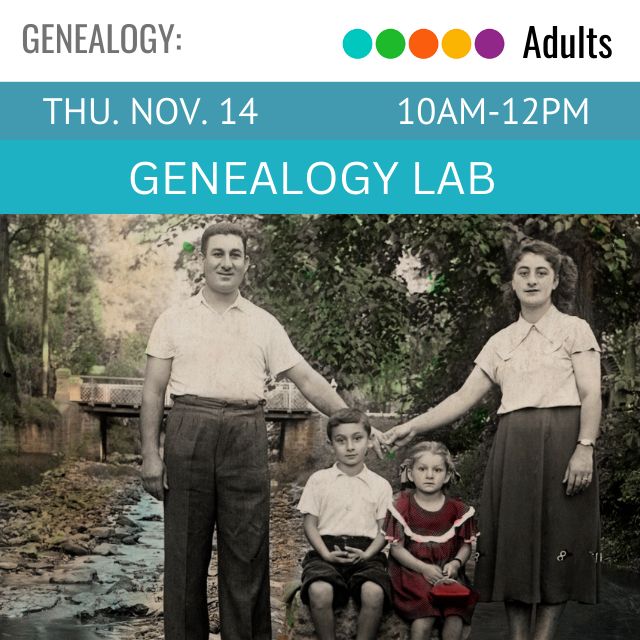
(431, 537)
(540, 522)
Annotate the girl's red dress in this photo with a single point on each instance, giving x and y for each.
(433, 537)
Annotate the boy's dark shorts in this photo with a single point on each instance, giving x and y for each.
(346, 579)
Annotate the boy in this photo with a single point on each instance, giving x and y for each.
(344, 509)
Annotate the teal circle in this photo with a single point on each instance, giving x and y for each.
(357, 44)
(390, 43)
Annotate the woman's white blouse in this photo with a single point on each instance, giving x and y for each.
(532, 362)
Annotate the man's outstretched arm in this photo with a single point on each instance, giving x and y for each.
(322, 395)
(154, 475)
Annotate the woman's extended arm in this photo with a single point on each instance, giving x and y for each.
(475, 387)
(586, 366)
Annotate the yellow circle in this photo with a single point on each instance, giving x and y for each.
(456, 43)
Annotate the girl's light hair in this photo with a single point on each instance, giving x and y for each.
(437, 449)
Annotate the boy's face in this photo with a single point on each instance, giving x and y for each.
(349, 443)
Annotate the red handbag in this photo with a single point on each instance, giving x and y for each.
(449, 593)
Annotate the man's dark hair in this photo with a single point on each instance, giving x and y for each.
(223, 229)
(348, 416)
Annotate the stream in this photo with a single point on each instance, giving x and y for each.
(143, 560)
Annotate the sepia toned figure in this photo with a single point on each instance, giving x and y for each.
(540, 527)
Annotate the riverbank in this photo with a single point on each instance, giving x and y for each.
(81, 555)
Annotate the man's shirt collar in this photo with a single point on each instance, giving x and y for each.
(240, 303)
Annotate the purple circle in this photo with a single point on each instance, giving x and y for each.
(489, 43)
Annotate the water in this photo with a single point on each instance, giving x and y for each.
(59, 623)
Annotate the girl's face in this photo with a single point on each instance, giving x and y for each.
(534, 280)
(429, 473)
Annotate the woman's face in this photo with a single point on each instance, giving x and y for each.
(534, 280)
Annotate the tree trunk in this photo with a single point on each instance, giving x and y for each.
(45, 319)
(584, 294)
(8, 378)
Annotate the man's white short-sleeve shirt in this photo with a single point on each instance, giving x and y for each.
(346, 505)
(225, 357)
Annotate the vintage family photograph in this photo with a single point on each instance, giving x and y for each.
(319, 427)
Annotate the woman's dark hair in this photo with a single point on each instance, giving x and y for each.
(564, 295)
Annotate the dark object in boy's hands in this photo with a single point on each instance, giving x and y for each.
(449, 593)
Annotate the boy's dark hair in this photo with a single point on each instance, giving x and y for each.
(223, 229)
(348, 416)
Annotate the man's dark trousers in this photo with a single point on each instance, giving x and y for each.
(218, 475)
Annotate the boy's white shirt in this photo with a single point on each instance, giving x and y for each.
(346, 505)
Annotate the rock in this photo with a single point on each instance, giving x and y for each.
(123, 521)
(73, 548)
(153, 518)
(123, 583)
(101, 533)
(34, 536)
(105, 549)
(118, 602)
(346, 619)
(79, 575)
(9, 566)
(15, 542)
(130, 540)
(30, 601)
(29, 550)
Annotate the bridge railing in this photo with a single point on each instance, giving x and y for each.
(101, 390)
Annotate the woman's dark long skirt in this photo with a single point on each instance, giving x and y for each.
(536, 543)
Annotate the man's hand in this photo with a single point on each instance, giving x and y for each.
(154, 475)
(579, 473)
(432, 573)
(398, 436)
(378, 442)
(338, 556)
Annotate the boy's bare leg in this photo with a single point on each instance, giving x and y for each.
(452, 628)
(321, 605)
(372, 600)
(519, 619)
(547, 620)
(421, 628)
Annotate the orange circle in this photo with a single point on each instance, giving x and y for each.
(423, 43)
(456, 43)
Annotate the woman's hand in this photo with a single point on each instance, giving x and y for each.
(579, 473)
(378, 442)
(432, 573)
(398, 436)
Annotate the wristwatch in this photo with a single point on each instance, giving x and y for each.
(587, 443)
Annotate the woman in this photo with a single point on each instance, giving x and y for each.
(539, 522)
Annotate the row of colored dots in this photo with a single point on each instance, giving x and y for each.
(423, 43)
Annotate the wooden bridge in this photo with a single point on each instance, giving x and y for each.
(106, 397)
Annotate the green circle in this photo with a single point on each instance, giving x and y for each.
(357, 44)
(390, 43)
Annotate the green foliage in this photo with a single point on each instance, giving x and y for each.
(130, 359)
(40, 411)
(618, 455)
(76, 340)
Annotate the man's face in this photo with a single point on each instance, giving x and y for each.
(225, 264)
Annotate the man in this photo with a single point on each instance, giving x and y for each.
(214, 352)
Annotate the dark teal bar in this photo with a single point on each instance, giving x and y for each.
(320, 111)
